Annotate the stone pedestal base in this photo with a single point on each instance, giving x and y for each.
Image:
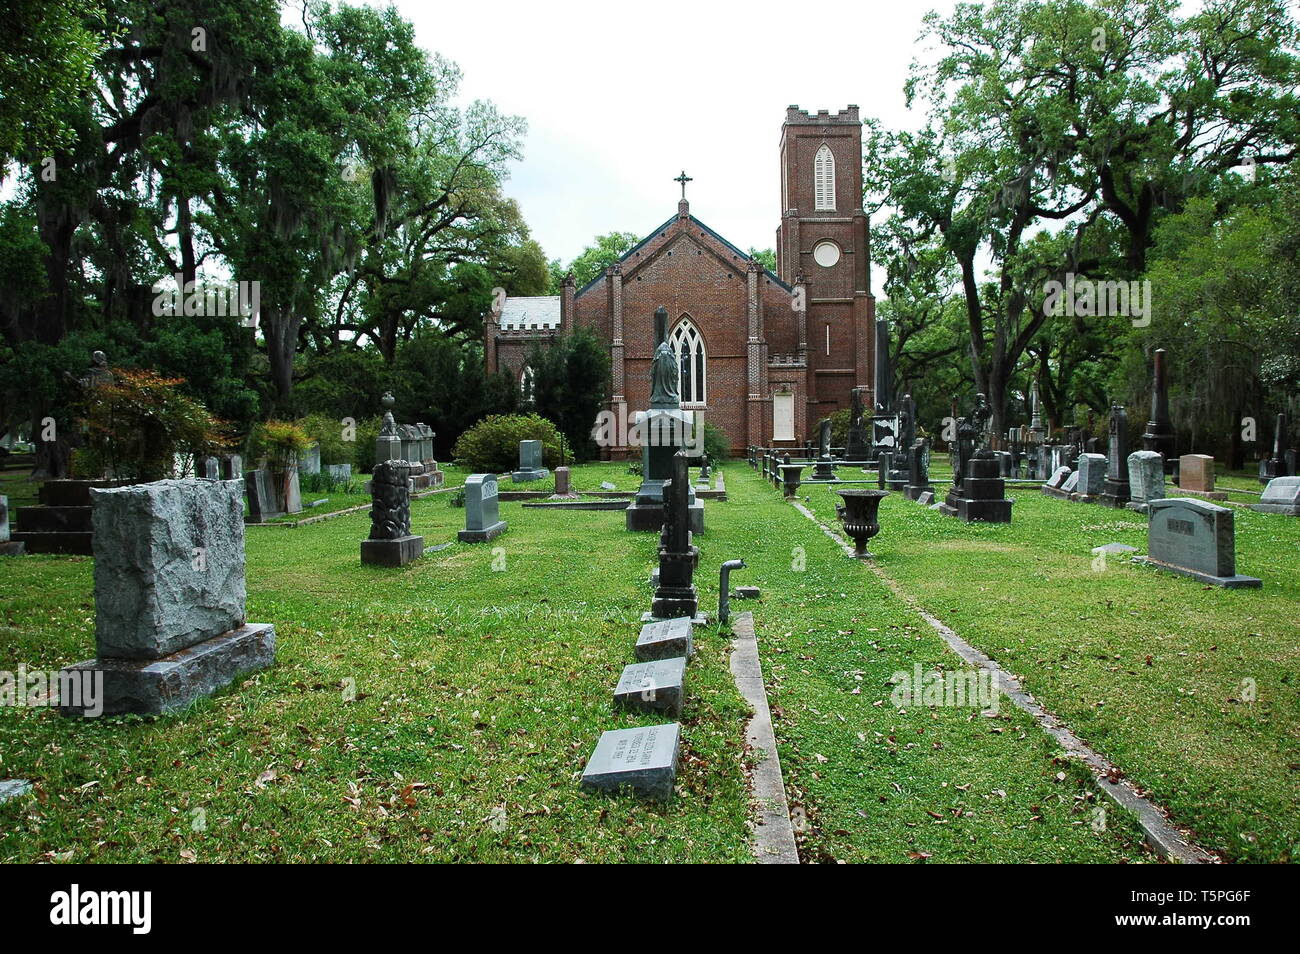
(1203, 494)
(647, 515)
(968, 510)
(1230, 582)
(156, 686)
(391, 552)
(1115, 493)
(13, 548)
(482, 536)
(534, 473)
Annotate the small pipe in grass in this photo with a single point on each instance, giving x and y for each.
(724, 589)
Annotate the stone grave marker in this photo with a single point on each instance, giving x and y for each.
(655, 686)
(1092, 475)
(391, 542)
(642, 760)
(1196, 476)
(309, 460)
(1071, 483)
(1146, 477)
(169, 597)
(530, 463)
(263, 505)
(1194, 538)
(482, 512)
(1282, 495)
(8, 547)
(665, 639)
(926, 498)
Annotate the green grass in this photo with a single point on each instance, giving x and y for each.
(483, 676)
(479, 695)
(1147, 667)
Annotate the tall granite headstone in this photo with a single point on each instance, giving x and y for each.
(1115, 492)
(170, 620)
(1159, 435)
(1092, 476)
(918, 470)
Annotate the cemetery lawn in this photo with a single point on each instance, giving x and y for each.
(1152, 670)
(444, 711)
(479, 694)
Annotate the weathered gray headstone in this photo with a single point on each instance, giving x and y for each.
(1059, 477)
(654, 686)
(169, 566)
(1092, 474)
(530, 463)
(1146, 478)
(209, 468)
(309, 460)
(746, 593)
(169, 597)
(482, 513)
(1195, 538)
(643, 761)
(4, 519)
(563, 483)
(1282, 495)
(665, 638)
(340, 472)
(1071, 483)
(263, 504)
(926, 498)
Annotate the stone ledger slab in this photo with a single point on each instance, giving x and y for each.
(642, 761)
(1194, 538)
(1282, 495)
(158, 686)
(665, 639)
(655, 686)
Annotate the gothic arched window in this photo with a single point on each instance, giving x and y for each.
(824, 180)
(526, 384)
(688, 346)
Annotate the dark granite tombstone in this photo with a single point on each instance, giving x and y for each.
(654, 686)
(1159, 435)
(982, 494)
(918, 470)
(642, 761)
(825, 467)
(1115, 491)
(263, 503)
(676, 594)
(1276, 464)
(857, 447)
(391, 542)
(663, 430)
(482, 514)
(1194, 538)
(884, 379)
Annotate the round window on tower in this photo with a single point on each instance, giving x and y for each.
(826, 254)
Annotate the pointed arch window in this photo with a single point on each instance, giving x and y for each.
(526, 378)
(688, 346)
(824, 180)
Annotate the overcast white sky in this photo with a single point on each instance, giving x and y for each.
(620, 97)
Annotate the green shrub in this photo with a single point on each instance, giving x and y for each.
(328, 433)
(840, 422)
(280, 442)
(716, 443)
(492, 445)
(363, 448)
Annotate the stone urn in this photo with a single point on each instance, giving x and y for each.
(860, 516)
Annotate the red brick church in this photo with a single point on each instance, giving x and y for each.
(763, 356)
